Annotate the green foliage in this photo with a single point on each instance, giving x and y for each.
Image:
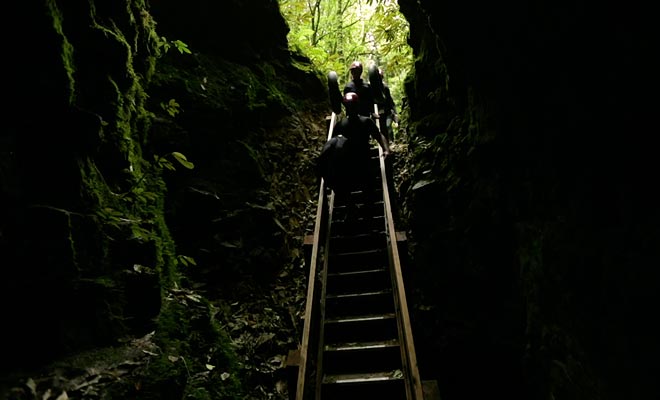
(185, 260)
(67, 49)
(165, 45)
(196, 353)
(172, 107)
(163, 163)
(333, 33)
(182, 47)
(182, 160)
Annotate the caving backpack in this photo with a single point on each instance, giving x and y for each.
(336, 163)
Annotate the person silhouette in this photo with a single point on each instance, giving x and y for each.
(386, 108)
(363, 90)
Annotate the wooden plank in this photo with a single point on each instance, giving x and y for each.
(324, 278)
(309, 305)
(402, 244)
(308, 245)
(292, 366)
(309, 302)
(329, 121)
(410, 361)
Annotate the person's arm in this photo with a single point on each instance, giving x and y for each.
(384, 143)
(380, 138)
(338, 129)
(391, 104)
(371, 99)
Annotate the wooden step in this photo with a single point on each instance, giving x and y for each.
(387, 385)
(360, 209)
(358, 241)
(358, 225)
(349, 304)
(360, 328)
(357, 260)
(362, 357)
(352, 282)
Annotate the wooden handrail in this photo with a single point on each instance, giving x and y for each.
(415, 388)
(311, 285)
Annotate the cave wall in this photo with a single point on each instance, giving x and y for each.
(246, 106)
(71, 167)
(245, 31)
(93, 221)
(532, 211)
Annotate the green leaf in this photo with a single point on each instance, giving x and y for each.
(278, 223)
(422, 183)
(182, 47)
(187, 260)
(183, 160)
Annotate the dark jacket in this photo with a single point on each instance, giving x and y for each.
(365, 94)
(387, 103)
(344, 160)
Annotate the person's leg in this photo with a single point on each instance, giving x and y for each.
(389, 130)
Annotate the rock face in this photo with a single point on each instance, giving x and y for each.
(70, 156)
(90, 210)
(245, 31)
(538, 197)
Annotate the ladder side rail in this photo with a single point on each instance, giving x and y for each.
(323, 290)
(311, 308)
(413, 379)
